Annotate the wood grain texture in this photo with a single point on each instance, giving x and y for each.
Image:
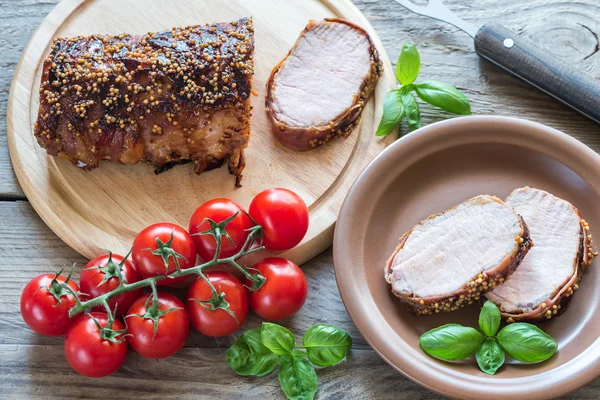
(91, 209)
(536, 66)
(32, 367)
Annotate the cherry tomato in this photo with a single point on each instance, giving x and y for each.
(40, 306)
(283, 216)
(218, 322)
(219, 210)
(284, 292)
(104, 269)
(173, 326)
(175, 243)
(91, 354)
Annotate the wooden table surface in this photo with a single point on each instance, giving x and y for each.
(32, 366)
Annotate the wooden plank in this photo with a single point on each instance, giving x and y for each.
(34, 367)
(16, 25)
(31, 362)
(29, 248)
(192, 373)
(568, 31)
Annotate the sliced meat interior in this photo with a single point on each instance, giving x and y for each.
(320, 88)
(450, 259)
(546, 279)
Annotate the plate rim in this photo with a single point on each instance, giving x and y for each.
(437, 376)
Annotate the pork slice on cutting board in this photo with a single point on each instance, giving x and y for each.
(543, 284)
(318, 91)
(452, 258)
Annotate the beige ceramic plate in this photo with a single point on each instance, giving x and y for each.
(429, 171)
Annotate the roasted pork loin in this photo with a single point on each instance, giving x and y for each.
(451, 259)
(545, 281)
(164, 98)
(318, 91)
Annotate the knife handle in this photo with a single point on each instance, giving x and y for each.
(535, 66)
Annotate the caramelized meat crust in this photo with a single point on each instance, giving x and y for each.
(164, 98)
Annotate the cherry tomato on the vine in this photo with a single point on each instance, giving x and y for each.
(283, 216)
(284, 292)
(211, 318)
(94, 353)
(159, 244)
(100, 276)
(219, 210)
(160, 332)
(45, 304)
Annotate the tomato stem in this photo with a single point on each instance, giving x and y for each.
(217, 231)
(154, 307)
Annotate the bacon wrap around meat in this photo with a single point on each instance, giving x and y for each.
(164, 98)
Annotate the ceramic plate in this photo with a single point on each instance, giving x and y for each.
(430, 171)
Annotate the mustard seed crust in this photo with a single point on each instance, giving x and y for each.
(558, 303)
(469, 292)
(165, 98)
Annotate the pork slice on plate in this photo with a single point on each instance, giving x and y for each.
(450, 259)
(546, 279)
(318, 91)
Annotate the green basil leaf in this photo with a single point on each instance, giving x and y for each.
(489, 318)
(490, 356)
(409, 64)
(411, 108)
(393, 112)
(298, 378)
(451, 342)
(526, 342)
(277, 339)
(248, 356)
(298, 354)
(326, 345)
(444, 96)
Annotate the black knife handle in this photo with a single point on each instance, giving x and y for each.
(537, 67)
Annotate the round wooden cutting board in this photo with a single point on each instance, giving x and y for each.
(105, 208)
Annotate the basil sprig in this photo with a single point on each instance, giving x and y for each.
(259, 351)
(523, 342)
(400, 103)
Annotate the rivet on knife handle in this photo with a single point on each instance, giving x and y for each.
(535, 66)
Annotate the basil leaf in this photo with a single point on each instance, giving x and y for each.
(489, 318)
(451, 342)
(411, 108)
(409, 64)
(526, 342)
(248, 356)
(326, 345)
(490, 356)
(298, 354)
(297, 378)
(444, 96)
(277, 339)
(393, 112)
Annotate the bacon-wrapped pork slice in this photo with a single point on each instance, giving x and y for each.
(545, 281)
(318, 91)
(451, 259)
